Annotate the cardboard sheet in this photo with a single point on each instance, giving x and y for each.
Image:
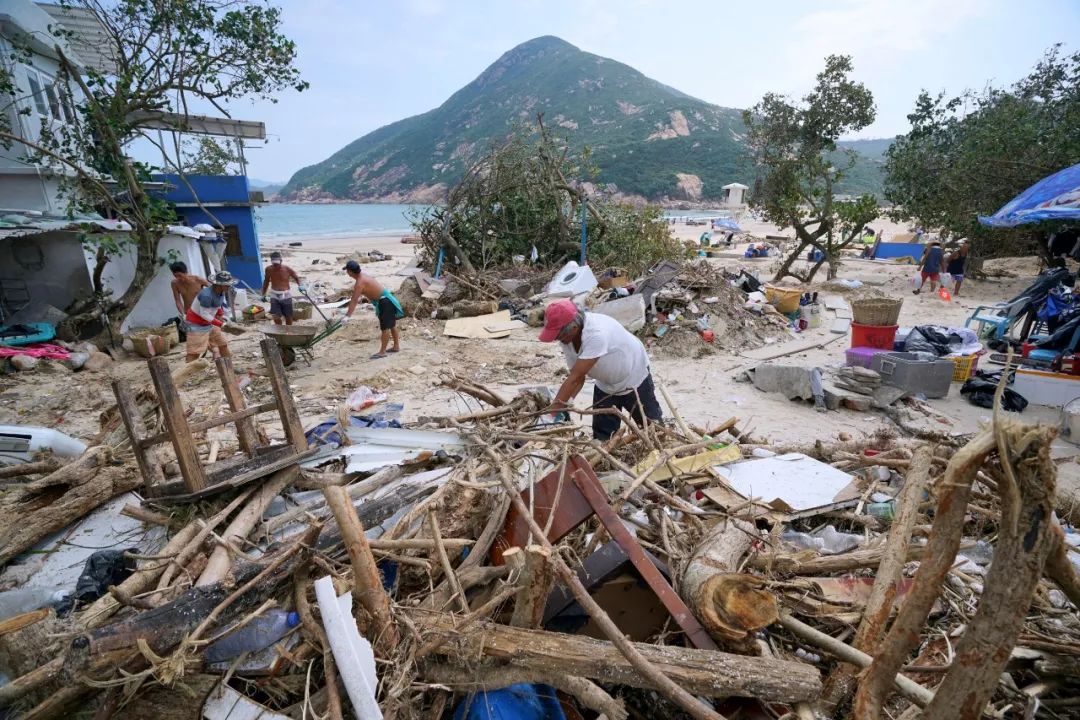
(476, 327)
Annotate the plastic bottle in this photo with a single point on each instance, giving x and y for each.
(260, 633)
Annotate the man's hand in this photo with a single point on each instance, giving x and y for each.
(302, 289)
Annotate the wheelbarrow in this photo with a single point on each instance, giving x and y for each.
(300, 339)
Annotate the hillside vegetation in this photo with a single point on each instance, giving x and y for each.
(646, 138)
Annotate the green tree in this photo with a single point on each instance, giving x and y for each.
(207, 156)
(168, 55)
(526, 193)
(970, 154)
(799, 164)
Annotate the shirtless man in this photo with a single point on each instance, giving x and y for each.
(277, 280)
(185, 287)
(387, 308)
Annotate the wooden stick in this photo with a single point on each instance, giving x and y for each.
(366, 577)
(669, 689)
(955, 488)
(841, 682)
(910, 689)
(195, 544)
(31, 681)
(444, 560)
(31, 468)
(241, 526)
(147, 516)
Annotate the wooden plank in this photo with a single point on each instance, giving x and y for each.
(136, 428)
(279, 382)
(172, 411)
(214, 422)
(227, 475)
(771, 352)
(245, 427)
(476, 327)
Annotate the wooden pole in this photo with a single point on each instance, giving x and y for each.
(279, 382)
(245, 427)
(366, 577)
(145, 458)
(172, 411)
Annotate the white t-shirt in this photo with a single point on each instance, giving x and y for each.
(623, 363)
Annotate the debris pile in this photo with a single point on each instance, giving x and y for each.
(486, 562)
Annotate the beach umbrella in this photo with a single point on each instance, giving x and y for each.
(728, 224)
(1056, 197)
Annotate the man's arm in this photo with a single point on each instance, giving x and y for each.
(266, 281)
(573, 383)
(353, 300)
(179, 299)
(293, 276)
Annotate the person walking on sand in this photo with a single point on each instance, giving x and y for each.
(597, 346)
(185, 287)
(206, 316)
(955, 265)
(277, 281)
(387, 307)
(930, 266)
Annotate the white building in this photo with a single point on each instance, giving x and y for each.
(734, 194)
(45, 265)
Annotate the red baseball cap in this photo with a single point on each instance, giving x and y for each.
(557, 316)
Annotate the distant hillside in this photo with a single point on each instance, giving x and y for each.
(647, 138)
(269, 187)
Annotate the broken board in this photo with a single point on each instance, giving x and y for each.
(840, 326)
(787, 483)
(502, 327)
(771, 352)
(476, 327)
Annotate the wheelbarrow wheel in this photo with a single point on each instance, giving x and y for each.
(288, 356)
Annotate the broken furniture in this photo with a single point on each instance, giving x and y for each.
(573, 493)
(199, 480)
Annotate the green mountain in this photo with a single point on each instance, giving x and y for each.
(647, 138)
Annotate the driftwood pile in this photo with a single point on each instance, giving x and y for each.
(934, 635)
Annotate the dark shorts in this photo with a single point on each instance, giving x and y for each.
(387, 314)
(604, 426)
(281, 308)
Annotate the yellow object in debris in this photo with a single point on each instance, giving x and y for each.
(690, 463)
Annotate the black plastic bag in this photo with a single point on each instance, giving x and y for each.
(980, 391)
(102, 569)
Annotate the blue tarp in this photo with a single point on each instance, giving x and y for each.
(1053, 198)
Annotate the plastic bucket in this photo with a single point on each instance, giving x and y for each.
(873, 336)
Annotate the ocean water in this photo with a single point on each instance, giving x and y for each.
(280, 221)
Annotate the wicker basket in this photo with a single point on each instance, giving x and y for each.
(876, 311)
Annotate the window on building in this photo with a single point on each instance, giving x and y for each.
(37, 93)
(54, 102)
(231, 233)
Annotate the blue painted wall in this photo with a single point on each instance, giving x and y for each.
(226, 197)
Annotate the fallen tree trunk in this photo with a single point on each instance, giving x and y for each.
(32, 512)
(732, 606)
(1025, 538)
(831, 564)
(708, 673)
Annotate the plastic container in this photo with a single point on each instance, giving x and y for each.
(861, 356)
(259, 634)
(964, 366)
(811, 314)
(18, 443)
(874, 336)
(914, 375)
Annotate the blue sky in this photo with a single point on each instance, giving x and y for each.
(371, 63)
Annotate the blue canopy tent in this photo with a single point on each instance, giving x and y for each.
(1056, 197)
(727, 224)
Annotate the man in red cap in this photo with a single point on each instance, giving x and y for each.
(597, 346)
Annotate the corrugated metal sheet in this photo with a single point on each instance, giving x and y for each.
(90, 40)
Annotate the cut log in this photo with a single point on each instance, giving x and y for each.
(32, 512)
(241, 526)
(708, 673)
(537, 577)
(731, 606)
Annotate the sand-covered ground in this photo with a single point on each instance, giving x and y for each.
(705, 389)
